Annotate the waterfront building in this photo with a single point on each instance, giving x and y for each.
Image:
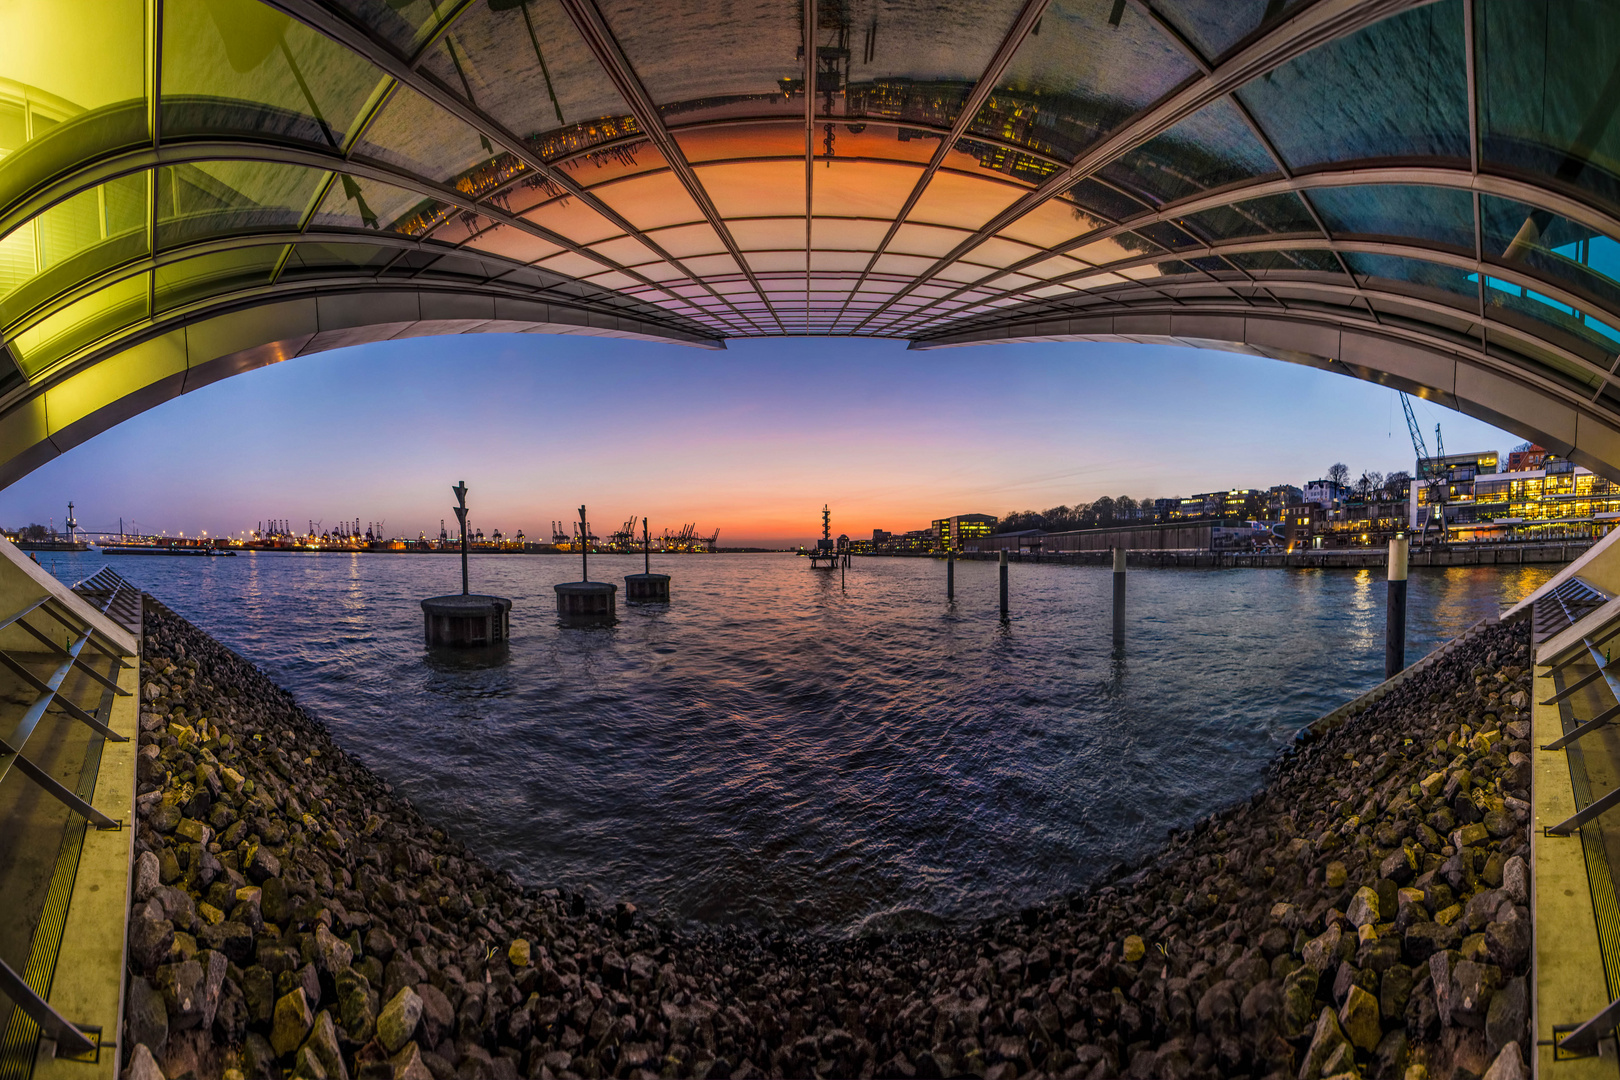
(1416, 194)
(1451, 476)
(1325, 493)
(963, 531)
(1527, 457)
(1279, 497)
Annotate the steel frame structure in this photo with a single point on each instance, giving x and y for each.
(643, 283)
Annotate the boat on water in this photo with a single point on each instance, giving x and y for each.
(163, 549)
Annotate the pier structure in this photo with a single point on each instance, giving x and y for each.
(586, 603)
(466, 619)
(826, 555)
(646, 587)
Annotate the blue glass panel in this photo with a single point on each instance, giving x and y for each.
(1505, 294)
(1271, 215)
(1103, 201)
(1090, 65)
(1395, 89)
(1415, 272)
(1288, 261)
(1442, 215)
(1548, 90)
(1214, 26)
(1551, 246)
(1212, 148)
(1168, 236)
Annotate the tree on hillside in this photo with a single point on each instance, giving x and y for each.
(1369, 483)
(1339, 473)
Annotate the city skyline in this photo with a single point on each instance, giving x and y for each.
(752, 440)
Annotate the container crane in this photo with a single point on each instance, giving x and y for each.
(1436, 499)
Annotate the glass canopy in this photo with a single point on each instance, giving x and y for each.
(938, 170)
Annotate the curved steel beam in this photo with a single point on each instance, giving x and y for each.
(1291, 295)
(196, 153)
(1318, 23)
(196, 347)
(598, 37)
(602, 302)
(1456, 373)
(116, 165)
(361, 42)
(1507, 272)
(1027, 18)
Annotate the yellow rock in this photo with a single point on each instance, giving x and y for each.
(1135, 949)
(1336, 875)
(1447, 916)
(210, 913)
(517, 953)
(1433, 782)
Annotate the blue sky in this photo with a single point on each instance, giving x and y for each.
(752, 440)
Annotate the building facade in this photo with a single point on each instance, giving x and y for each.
(963, 532)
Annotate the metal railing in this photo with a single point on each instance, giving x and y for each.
(108, 594)
(1567, 604)
(1557, 611)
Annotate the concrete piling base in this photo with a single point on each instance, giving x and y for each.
(461, 621)
(646, 588)
(587, 603)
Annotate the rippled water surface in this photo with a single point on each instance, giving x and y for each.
(772, 748)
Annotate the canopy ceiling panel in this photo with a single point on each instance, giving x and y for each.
(1422, 193)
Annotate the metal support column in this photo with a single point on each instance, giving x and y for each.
(1004, 585)
(1395, 624)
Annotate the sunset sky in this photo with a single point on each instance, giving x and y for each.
(752, 440)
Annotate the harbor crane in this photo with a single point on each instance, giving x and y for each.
(1435, 482)
(624, 538)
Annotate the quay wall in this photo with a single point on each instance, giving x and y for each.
(1340, 559)
(1366, 910)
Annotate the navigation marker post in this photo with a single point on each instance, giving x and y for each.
(467, 620)
(1395, 620)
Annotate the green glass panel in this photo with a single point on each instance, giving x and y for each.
(354, 202)
(80, 323)
(1270, 215)
(522, 62)
(1210, 149)
(1414, 271)
(1214, 26)
(72, 86)
(72, 242)
(241, 66)
(1442, 215)
(1092, 65)
(413, 134)
(1397, 88)
(220, 198)
(1553, 247)
(401, 23)
(1549, 87)
(215, 274)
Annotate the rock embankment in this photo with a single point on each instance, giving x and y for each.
(1366, 915)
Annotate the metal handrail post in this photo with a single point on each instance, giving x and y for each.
(66, 1033)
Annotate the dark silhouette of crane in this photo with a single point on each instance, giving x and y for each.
(1435, 481)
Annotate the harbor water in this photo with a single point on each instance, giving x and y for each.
(773, 749)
